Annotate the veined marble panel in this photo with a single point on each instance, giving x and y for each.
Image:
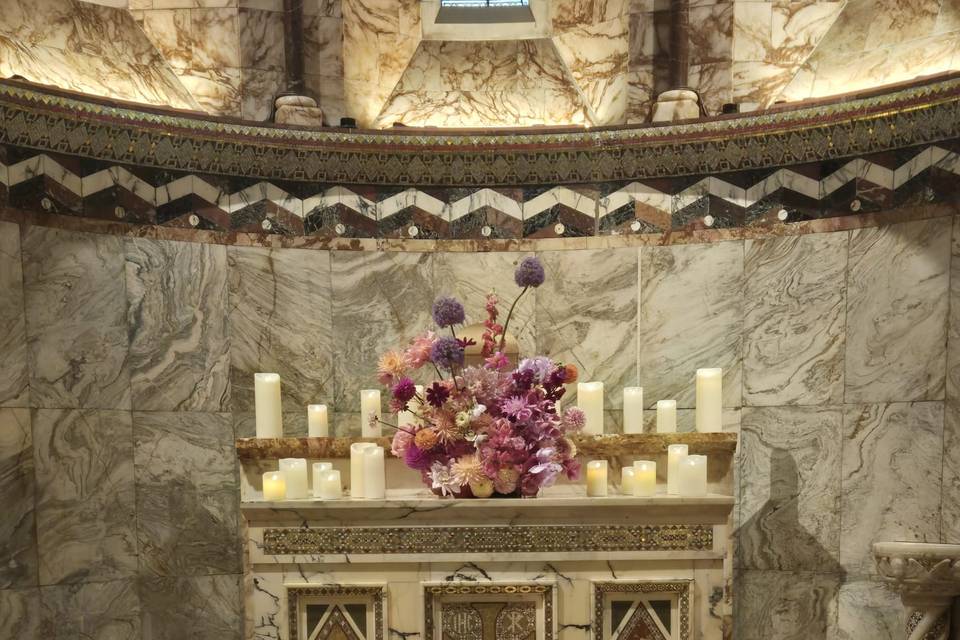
(215, 38)
(597, 56)
(781, 605)
(85, 495)
(14, 388)
(897, 298)
(170, 30)
(691, 316)
(323, 45)
(187, 493)
(281, 321)
(209, 606)
(892, 457)
(795, 307)
(711, 34)
(790, 488)
(76, 324)
(261, 39)
(868, 609)
(179, 342)
(102, 610)
(950, 505)
(217, 91)
(586, 314)
(380, 302)
(18, 535)
(259, 89)
(20, 612)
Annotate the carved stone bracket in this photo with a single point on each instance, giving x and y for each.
(927, 577)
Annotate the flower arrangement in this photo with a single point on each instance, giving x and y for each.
(482, 430)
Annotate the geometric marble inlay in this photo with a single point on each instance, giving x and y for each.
(460, 611)
(335, 612)
(642, 610)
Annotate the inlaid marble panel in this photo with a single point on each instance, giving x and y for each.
(261, 39)
(18, 535)
(897, 298)
(179, 339)
(14, 390)
(85, 495)
(597, 56)
(469, 277)
(101, 610)
(209, 606)
(867, 608)
(892, 456)
(20, 612)
(187, 492)
(586, 314)
(782, 605)
(691, 315)
(280, 321)
(380, 302)
(790, 488)
(76, 319)
(794, 312)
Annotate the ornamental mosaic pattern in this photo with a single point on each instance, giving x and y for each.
(683, 589)
(372, 595)
(511, 614)
(487, 539)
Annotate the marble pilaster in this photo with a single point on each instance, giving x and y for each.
(14, 390)
(18, 534)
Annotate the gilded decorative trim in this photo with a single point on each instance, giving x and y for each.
(486, 539)
(544, 591)
(375, 594)
(683, 588)
(922, 113)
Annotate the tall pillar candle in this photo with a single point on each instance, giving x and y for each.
(692, 472)
(356, 467)
(274, 486)
(409, 418)
(709, 400)
(330, 487)
(644, 478)
(675, 453)
(318, 426)
(590, 401)
(633, 410)
(295, 471)
(374, 474)
(370, 413)
(319, 468)
(666, 416)
(266, 396)
(597, 478)
(627, 481)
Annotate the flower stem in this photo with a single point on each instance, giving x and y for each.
(503, 338)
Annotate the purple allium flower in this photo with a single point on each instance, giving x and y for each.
(404, 390)
(529, 273)
(447, 353)
(447, 311)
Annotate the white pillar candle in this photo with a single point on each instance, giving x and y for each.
(319, 468)
(597, 478)
(266, 396)
(644, 478)
(409, 418)
(356, 467)
(274, 486)
(627, 481)
(590, 401)
(330, 487)
(693, 476)
(295, 471)
(709, 400)
(633, 410)
(666, 416)
(675, 453)
(317, 423)
(370, 407)
(374, 474)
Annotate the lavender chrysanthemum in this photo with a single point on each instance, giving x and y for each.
(447, 353)
(529, 273)
(447, 311)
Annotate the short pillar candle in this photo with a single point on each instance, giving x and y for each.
(666, 416)
(374, 474)
(633, 410)
(318, 425)
(370, 413)
(627, 481)
(319, 468)
(330, 487)
(274, 486)
(266, 397)
(644, 478)
(693, 476)
(597, 478)
(590, 401)
(356, 467)
(295, 471)
(709, 400)
(675, 453)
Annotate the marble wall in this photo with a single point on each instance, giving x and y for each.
(126, 377)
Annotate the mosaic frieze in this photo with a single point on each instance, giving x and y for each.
(489, 612)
